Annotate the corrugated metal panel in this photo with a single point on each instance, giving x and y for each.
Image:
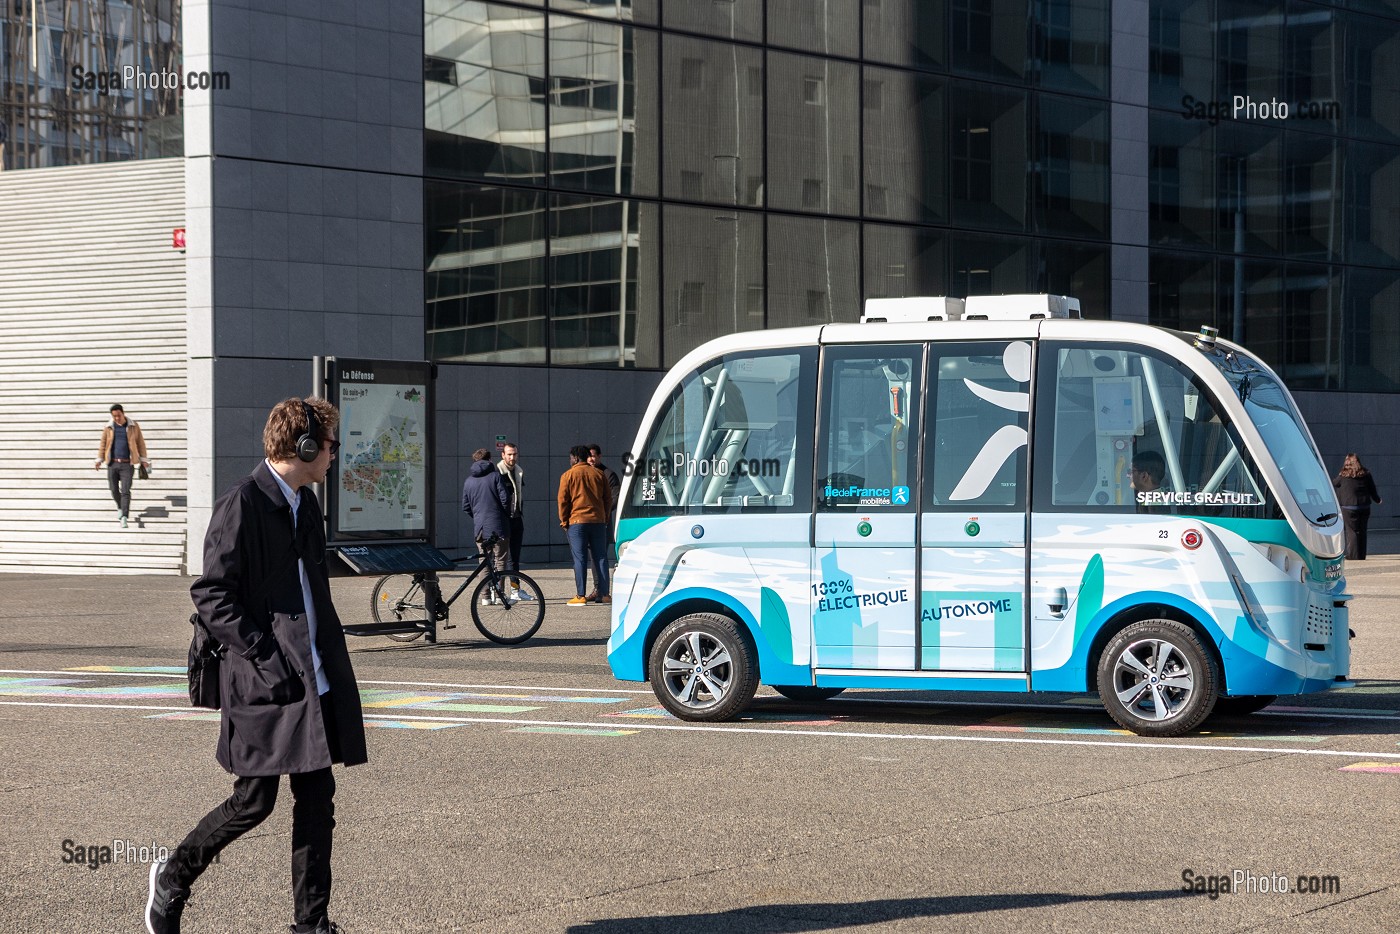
(92, 312)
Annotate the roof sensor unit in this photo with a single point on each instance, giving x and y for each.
(918, 308)
(1020, 307)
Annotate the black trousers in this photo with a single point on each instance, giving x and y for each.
(253, 798)
(119, 482)
(517, 534)
(1356, 521)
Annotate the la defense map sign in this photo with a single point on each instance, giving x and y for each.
(382, 479)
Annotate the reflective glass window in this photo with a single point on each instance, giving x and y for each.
(990, 151)
(1070, 188)
(713, 271)
(713, 121)
(1181, 181)
(989, 265)
(1370, 332)
(913, 33)
(826, 26)
(1248, 49)
(602, 87)
(484, 91)
(1130, 430)
(627, 11)
(1311, 332)
(1181, 39)
(485, 273)
(734, 438)
(904, 261)
(1248, 187)
(905, 118)
(1064, 267)
(1070, 44)
(731, 19)
(1371, 95)
(989, 38)
(1312, 191)
(813, 155)
(603, 282)
(1182, 291)
(813, 271)
(1372, 180)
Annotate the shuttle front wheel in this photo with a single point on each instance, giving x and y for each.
(1156, 679)
(703, 668)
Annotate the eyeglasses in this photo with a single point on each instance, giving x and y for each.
(334, 445)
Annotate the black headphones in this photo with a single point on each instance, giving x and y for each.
(309, 444)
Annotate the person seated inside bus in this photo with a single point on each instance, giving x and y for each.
(1145, 475)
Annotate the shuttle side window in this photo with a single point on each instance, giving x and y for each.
(734, 439)
(1129, 430)
(975, 441)
(869, 432)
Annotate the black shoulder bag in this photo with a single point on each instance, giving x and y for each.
(207, 654)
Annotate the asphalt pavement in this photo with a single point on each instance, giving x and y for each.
(523, 789)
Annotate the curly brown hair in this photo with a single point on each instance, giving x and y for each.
(287, 422)
(1352, 467)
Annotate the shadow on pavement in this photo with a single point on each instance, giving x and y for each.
(824, 917)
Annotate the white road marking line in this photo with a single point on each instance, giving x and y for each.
(839, 734)
(173, 675)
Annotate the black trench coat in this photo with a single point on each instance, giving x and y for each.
(250, 599)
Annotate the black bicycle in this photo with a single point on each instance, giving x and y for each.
(507, 607)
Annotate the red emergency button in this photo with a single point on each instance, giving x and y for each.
(1191, 539)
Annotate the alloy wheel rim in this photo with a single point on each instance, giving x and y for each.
(697, 670)
(1153, 679)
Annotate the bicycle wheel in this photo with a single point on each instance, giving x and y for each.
(398, 598)
(504, 613)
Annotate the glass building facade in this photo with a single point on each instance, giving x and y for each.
(66, 96)
(613, 184)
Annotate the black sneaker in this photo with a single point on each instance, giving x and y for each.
(325, 927)
(164, 904)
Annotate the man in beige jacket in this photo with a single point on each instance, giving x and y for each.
(583, 513)
(123, 447)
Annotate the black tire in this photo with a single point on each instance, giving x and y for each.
(1242, 705)
(1156, 679)
(505, 619)
(398, 598)
(703, 668)
(806, 693)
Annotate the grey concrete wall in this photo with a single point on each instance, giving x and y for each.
(1363, 423)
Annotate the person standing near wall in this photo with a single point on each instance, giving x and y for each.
(123, 447)
(514, 476)
(595, 460)
(583, 514)
(1356, 493)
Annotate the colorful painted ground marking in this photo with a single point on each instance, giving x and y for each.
(1370, 767)
(133, 669)
(644, 713)
(73, 688)
(1076, 730)
(387, 723)
(469, 708)
(546, 698)
(572, 731)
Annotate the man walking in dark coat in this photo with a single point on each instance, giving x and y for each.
(290, 702)
(487, 500)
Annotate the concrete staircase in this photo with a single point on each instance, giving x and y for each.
(92, 312)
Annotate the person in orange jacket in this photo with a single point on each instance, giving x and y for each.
(584, 500)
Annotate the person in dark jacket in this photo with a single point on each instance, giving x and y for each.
(486, 499)
(1356, 493)
(290, 702)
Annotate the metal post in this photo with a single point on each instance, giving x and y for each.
(432, 596)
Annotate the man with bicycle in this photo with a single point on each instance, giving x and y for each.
(486, 499)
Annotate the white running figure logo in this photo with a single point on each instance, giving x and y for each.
(1008, 438)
